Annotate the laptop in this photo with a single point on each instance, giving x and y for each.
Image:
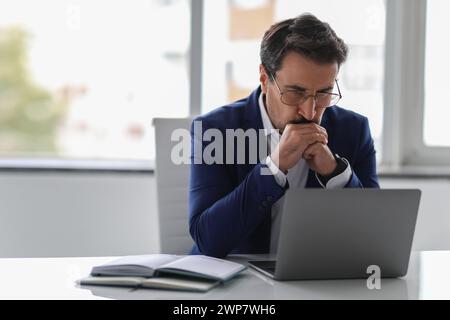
(339, 234)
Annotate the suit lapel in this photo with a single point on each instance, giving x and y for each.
(251, 120)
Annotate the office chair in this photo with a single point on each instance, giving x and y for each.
(172, 183)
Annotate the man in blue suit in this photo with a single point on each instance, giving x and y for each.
(312, 143)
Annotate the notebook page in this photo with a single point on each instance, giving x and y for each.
(151, 261)
(213, 267)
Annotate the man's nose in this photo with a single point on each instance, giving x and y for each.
(308, 108)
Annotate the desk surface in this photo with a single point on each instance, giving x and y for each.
(54, 278)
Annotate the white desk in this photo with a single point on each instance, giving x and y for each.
(54, 278)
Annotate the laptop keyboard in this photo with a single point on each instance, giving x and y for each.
(268, 266)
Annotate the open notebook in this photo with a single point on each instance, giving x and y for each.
(194, 273)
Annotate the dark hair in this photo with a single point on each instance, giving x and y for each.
(305, 35)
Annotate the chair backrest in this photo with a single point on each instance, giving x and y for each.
(172, 182)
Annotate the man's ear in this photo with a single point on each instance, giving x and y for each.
(263, 78)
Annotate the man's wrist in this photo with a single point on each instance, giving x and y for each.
(339, 168)
(277, 164)
(279, 176)
(330, 171)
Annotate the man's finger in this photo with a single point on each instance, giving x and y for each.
(316, 137)
(312, 150)
(310, 126)
(302, 129)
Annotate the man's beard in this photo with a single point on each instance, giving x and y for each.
(301, 121)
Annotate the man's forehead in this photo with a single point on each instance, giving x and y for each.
(295, 58)
(308, 78)
(305, 85)
(296, 67)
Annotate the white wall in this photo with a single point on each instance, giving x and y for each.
(88, 214)
(73, 214)
(433, 221)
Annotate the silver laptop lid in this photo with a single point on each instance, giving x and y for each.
(332, 234)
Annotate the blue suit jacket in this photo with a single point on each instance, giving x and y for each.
(230, 204)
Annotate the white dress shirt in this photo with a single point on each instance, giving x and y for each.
(296, 176)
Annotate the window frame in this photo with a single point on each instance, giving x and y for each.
(404, 150)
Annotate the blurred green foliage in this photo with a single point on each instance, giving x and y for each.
(30, 115)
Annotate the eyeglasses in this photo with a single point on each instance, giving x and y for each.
(321, 99)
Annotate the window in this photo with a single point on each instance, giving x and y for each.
(83, 79)
(233, 33)
(436, 131)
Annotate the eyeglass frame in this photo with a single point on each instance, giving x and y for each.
(308, 96)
